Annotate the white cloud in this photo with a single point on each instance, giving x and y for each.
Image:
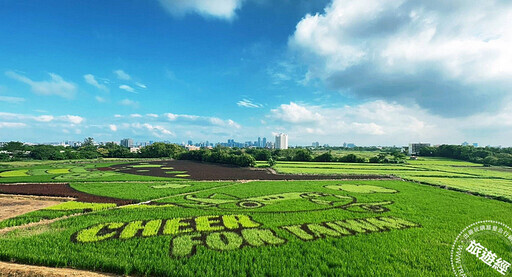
(295, 113)
(135, 115)
(112, 127)
(127, 88)
(56, 86)
(118, 116)
(75, 119)
(394, 50)
(128, 102)
(140, 85)
(224, 9)
(152, 115)
(201, 120)
(12, 125)
(91, 80)
(44, 118)
(121, 75)
(248, 104)
(10, 99)
(156, 130)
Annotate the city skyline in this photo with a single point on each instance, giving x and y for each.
(431, 72)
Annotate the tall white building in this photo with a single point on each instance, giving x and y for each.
(282, 141)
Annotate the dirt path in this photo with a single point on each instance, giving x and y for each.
(18, 270)
(14, 205)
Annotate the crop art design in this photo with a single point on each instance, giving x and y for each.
(236, 231)
(231, 232)
(281, 202)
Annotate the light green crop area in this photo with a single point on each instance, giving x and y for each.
(180, 227)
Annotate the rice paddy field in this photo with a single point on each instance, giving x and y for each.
(459, 175)
(118, 219)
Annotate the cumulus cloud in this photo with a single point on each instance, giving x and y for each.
(12, 100)
(134, 115)
(121, 75)
(295, 113)
(224, 9)
(452, 58)
(55, 86)
(387, 123)
(91, 80)
(75, 119)
(127, 88)
(112, 127)
(201, 120)
(248, 104)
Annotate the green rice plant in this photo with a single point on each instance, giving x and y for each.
(74, 205)
(58, 171)
(417, 232)
(146, 165)
(14, 173)
(171, 186)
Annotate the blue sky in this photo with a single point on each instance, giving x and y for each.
(370, 72)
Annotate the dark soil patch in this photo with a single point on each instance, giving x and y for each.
(59, 190)
(211, 172)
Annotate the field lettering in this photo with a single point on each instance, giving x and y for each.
(312, 231)
(173, 226)
(186, 245)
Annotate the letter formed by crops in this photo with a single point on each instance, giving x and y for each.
(348, 227)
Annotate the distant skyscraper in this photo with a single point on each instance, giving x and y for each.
(282, 141)
(189, 142)
(259, 142)
(127, 142)
(414, 148)
(475, 144)
(264, 142)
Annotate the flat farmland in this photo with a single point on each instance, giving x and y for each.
(170, 226)
(466, 176)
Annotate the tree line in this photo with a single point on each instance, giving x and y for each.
(484, 155)
(225, 155)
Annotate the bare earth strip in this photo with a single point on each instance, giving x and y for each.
(10, 269)
(14, 205)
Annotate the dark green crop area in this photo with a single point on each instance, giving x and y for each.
(262, 228)
(465, 176)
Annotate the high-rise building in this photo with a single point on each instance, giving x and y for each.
(281, 141)
(264, 142)
(259, 142)
(315, 144)
(127, 142)
(414, 148)
(189, 142)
